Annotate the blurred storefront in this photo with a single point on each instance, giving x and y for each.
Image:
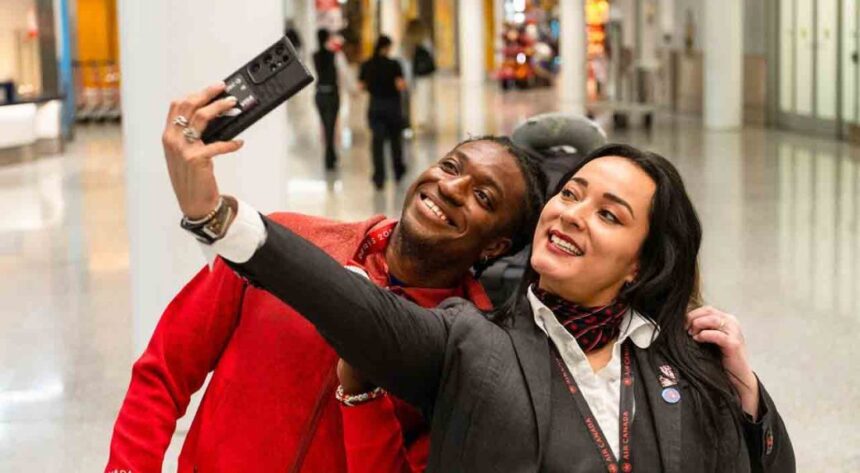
(30, 91)
(59, 63)
(361, 22)
(815, 70)
(529, 44)
(799, 57)
(96, 62)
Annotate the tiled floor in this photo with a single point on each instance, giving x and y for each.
(781, 214)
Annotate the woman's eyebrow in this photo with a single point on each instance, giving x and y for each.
(619, 200)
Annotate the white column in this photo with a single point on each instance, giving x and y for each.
(470, 41)
(723, 71)
(170, 49)
(473, 113)
(304, 16)
(498, 26)
(391, 21)
(308, 24)
(571, 82)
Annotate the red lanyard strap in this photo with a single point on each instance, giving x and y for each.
(625, 414)
(374, 242)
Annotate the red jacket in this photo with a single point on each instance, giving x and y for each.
(389, 449)
(270, 399)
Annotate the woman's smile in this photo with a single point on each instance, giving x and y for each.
(562, 244)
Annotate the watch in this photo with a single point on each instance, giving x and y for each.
(213, 226)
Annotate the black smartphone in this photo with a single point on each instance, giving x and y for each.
(259, 86)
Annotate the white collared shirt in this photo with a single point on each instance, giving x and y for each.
(602, 390)
(244, 237)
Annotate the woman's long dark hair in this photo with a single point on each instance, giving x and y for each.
(666, 287)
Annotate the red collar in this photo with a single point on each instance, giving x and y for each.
(370, 256)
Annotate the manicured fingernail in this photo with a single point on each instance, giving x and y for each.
(240, 143)
(232, 99)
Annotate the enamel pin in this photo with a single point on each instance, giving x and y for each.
(671, 395)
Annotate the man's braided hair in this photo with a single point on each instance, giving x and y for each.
(523, 227)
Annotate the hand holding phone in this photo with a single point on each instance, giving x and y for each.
(255, 89)
(259, 86)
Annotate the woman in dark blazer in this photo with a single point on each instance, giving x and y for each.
(614, 273)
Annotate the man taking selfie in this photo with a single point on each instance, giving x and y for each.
(271, 405)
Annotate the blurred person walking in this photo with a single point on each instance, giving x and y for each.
(383, 78)
(328, 94)
(423, 65)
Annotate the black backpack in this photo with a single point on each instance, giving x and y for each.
(423, 63)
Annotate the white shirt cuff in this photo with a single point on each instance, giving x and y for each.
(245, 236)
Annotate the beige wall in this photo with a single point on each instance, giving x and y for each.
(12, 22)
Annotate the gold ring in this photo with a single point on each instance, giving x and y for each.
(722, 324)
(180, 121)
(191, 135)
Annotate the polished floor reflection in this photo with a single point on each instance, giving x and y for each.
(781, 214)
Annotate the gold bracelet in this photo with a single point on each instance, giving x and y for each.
(218, 224)
(208, 216)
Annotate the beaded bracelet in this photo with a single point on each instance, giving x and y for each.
(352, 400)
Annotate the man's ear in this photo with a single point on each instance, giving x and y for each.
(496, 248)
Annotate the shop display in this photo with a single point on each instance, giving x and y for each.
(597, 51)
(97, 94)
(530, 46)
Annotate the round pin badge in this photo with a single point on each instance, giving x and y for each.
(671, 395)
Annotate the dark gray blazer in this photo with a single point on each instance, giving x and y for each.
(485, 387)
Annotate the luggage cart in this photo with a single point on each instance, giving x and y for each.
(97, 91)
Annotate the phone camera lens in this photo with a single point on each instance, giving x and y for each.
(273, 67)
(279, 50)
(255, 68)
(285, 58)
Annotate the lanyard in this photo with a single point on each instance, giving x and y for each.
(625, 414)
(376, 241)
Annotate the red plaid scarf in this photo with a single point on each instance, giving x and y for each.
(592, 327)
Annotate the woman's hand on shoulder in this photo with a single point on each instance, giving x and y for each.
(710, 325)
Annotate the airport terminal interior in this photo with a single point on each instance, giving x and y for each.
(775, 178)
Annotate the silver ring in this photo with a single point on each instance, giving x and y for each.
(180, 121)
(191, 135)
